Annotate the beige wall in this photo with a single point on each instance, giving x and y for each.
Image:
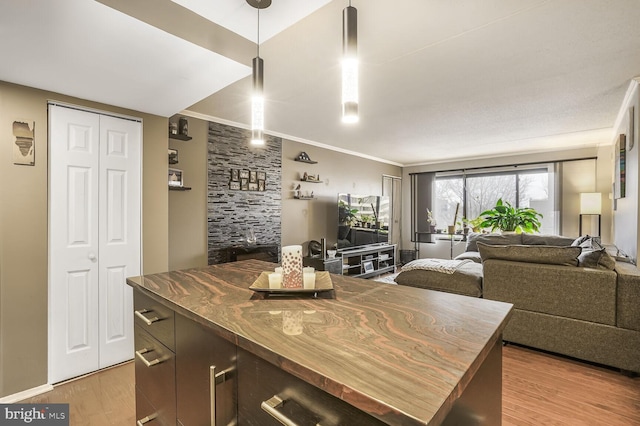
(23, 230)
(305, 220)
(188, 209)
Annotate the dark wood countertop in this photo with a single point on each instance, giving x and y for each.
(402, 354)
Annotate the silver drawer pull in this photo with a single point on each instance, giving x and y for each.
(216, 379)
(146, 419)
(143, 359)
(148, 321)
(271, 407)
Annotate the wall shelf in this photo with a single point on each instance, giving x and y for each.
(179, 188)
(305, 161)
(180, 137)
(310, 181)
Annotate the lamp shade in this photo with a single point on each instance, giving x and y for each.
(591, 203)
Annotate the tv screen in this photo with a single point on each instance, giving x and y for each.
(362, 220)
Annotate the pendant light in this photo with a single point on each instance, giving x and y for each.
(350, 64)
(257, 97)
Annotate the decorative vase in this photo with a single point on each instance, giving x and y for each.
(451, 229)
(292, 266)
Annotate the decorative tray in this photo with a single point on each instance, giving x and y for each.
(323, 283)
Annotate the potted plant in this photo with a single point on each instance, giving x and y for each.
(507, 218)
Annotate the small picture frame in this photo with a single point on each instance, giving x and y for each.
(244, 184)
(367, 266)
(244, 174)
(261, 185)
(234, 185)
(253, 186)
(173, 156)
(253, 176)
(262, 176)
(176, 177)
(235, 176)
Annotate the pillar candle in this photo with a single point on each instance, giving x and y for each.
(292, 266)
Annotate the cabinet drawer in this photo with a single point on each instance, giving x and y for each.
(303, 403)
(155, 318)
(155, 374)
(148, 415)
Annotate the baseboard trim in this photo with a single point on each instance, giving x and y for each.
(26, 394)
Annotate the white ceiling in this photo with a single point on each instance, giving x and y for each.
(439, 80)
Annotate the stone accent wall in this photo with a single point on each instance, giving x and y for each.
(231, 213)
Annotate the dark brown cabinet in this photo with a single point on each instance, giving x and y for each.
(268, 393)
(154, 361)
(205, 372)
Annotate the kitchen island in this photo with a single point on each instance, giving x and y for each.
(363, 353)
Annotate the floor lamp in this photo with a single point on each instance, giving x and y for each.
(591, 204)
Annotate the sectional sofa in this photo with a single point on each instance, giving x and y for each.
(569, 295)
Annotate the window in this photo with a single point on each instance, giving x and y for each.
(474, 191)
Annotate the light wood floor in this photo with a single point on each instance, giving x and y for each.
(538, 389)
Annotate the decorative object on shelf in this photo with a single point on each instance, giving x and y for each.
(250, 236)
(257, 97)
(507, 218)
(183, 126)
(24, 144)
(173, 156)
(310, 178)
(367, 267)
(173, 128)
(292, 266)
(350, 64)
(304, 157)
(176, 177)
(620, 165)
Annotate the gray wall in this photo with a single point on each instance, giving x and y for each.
(230, 213)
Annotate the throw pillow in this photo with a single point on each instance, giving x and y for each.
(598, 259)
(580, 240)
(550, 255)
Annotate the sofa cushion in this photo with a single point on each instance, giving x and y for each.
(578, 241)
(550, 255)
(596, 259)
(497, 239)
(546, 240)
(469, 255)
(466, 280)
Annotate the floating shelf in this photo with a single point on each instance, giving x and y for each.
(179, 188)
(304, 198)
(305, 161)
(310, 181)
(180, 137)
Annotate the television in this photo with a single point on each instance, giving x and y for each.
(362, 220)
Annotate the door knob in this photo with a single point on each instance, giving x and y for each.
(92, 257)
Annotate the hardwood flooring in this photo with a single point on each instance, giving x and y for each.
(538, 389)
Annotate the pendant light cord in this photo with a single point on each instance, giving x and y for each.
(258, 32)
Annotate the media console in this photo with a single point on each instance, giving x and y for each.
(369, 261)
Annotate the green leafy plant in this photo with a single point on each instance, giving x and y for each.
(511, 219)
(346, 215)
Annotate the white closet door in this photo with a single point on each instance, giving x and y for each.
(119, 235)
(94, 239)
